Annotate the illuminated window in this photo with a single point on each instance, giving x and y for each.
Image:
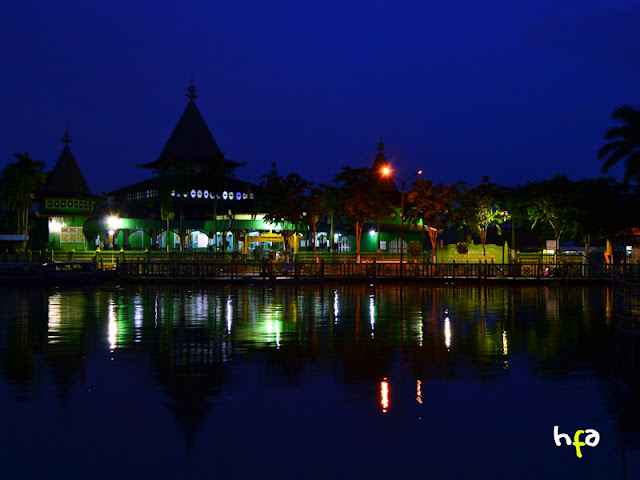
(56, 204)
(63, 204)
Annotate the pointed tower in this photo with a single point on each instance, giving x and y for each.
(66, 202)
(385, 183)
(191, 145)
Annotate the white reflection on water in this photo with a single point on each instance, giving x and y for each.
(137, 316)
(273, 328)
(55, 318)
(336, 307)
(229, 313)
(505, 345)
(113, 325)
(447, 332)
(372, 313)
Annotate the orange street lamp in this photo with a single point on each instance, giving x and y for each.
(386, 171)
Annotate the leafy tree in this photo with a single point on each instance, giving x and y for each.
(598, 212)
(433, 204)
(332, 205)
(18, 184)
(359, 198)
(479, 209)
(284, 204)
(315, 207)
(624, 143)
(554, 202)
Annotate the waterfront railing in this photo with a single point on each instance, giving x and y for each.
(209, 269)
(133, 265)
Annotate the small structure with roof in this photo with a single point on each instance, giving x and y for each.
(65, 203)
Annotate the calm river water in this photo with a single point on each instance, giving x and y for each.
(334, 381)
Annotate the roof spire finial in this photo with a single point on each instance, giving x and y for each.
(66, 139)
(380, 146)
(273, 165)
(191, 90)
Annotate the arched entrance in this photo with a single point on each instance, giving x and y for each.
(139, 240)
(197, 240)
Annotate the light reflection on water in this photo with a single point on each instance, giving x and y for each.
(325, 362)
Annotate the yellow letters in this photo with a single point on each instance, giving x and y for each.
(577, 443)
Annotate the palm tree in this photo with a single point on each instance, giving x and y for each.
(18, 184)
(624, 143)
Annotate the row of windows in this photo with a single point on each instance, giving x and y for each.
(75, 204)
(193, 194)
(151, 193)
(210, 195)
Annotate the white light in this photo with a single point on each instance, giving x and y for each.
(54, 226)
(173, 193)
(372, 232)
(206, 194)
(193, 194)
(111, 231)
(199, 193)
(114, 222)
(238, 196)
(225, 195)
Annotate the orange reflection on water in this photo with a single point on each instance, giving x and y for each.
(384, 395)
(419, 392)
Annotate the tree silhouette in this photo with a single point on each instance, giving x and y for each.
(359, 200)
(554, 202)
(433, 204)
(624, 143)
(18, 183)
(479, 209)
(284, 204)
(315, 208)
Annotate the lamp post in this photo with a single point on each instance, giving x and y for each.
(386, 171)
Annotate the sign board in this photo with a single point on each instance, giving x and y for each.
(551, 245)
(383, 245)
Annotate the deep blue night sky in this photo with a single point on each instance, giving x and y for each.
(514, 90)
